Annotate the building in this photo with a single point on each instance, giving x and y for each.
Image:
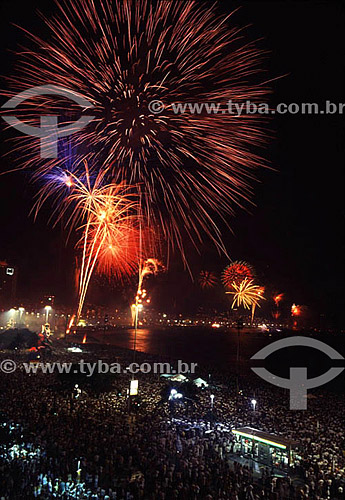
(8, 285)
(268, 449)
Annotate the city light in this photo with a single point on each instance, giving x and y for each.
(47, 310)
(21, 312)
(295, 310)
(133, 387)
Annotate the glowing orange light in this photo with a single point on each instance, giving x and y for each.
(295, 310)
(108, 217)
(70, 323)
(278, 298)
(146, 268)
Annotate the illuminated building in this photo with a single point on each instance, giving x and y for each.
(268, 449)
(8, 284)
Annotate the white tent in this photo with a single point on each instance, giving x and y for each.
(175, 378)
(199, 382)
(178, 378)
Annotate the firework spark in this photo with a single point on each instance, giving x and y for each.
(278, 298)
(296, 310)
(110, 240)
(190, 169)
(236, 272)
(260, 296)
(246, 294)
(148, 267)
(70, 323)
(107, 216)
(207, 280)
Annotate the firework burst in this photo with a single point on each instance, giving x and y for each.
(296, 310)
(190, 170)
(246, 294)
(106, 214)
(236, 272)
(147, 267)
(110, 244)
(207, 280)
(278, 298)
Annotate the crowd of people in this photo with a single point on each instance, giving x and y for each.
(56, 443)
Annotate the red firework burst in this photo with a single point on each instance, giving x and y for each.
(189, 169)
(278, 298)
(236, 272)
(207, 279)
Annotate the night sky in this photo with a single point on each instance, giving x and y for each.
(294, 236)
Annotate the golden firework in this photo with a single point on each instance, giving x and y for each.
(246, 294)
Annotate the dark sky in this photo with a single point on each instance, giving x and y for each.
(294, 236)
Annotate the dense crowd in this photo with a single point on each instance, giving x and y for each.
(57, 445)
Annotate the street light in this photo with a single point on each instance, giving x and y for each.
(21, 311)
(253, 401)
(212, 399)
(47, 309)
(11, 322)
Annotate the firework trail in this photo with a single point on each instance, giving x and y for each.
(110, 244)
(277, 299)
(276, 314)
(190, 170)
(236, 272)
(147, 267)
(260, 296)
(106, 215)
(70, 323)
